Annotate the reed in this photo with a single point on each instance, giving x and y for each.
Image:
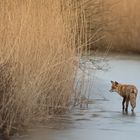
(40, 47)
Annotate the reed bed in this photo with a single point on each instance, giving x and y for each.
(40, 47)
(125, 35)
(116, 22)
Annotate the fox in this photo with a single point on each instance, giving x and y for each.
(127, 92)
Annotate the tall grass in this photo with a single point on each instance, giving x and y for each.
(40, 46)
(126, 32)
(113, 21)
(96, 23)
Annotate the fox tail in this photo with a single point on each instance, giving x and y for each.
(133, 100)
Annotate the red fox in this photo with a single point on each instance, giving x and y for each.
(128, 92)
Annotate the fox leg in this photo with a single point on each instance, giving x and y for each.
(123, 102)
(132, 109)
(127, 103)
(133, 105)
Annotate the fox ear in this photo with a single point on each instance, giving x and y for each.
(112, 82)
(116, 83)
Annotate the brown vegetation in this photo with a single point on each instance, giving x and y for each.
(126, 31)
(39, 55)
(41, 42)
(117, 22)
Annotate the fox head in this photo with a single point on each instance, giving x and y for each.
(114, 87)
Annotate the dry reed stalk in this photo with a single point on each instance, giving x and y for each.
(39, 47)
